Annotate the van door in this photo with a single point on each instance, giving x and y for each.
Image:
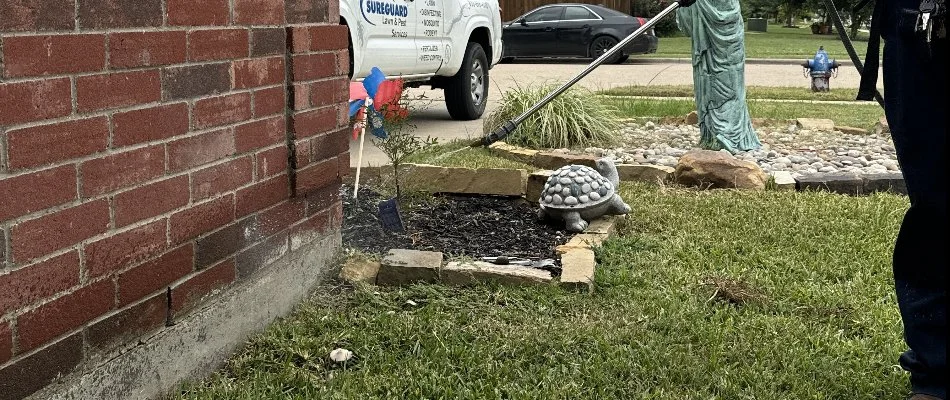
(390, 27)
(430, 36)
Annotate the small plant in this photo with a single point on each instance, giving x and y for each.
(577, 118)
(401, 143)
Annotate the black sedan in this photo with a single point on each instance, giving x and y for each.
(574, 30)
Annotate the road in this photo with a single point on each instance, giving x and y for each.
(434, 120)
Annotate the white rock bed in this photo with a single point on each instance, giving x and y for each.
(788, 148)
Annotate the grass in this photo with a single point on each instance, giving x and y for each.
(691, 304)
(778, 42)
(856, 115)
(575, 118)
(752, 92)
(458, 154)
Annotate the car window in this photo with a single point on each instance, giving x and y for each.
(575, 12)
(545, 14)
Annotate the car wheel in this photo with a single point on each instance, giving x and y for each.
(600, 46)
(622, 59)
(467, 92)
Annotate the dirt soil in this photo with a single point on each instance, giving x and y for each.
(472, 226)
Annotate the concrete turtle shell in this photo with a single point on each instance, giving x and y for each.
(575, 187)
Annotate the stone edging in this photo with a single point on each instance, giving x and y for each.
(403, 267)
(836, 182)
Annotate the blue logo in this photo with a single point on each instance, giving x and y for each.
(382, 8)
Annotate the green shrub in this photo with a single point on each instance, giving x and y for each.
(576, 118)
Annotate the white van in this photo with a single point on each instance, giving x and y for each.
(448, 44)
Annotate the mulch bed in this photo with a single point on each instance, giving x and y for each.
(473, 226)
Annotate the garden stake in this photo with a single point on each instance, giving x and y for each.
(359, 160)
(508, 127)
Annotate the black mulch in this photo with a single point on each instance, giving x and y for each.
(473, 226)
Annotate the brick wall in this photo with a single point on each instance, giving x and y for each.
(152, 153)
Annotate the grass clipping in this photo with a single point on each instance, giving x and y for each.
(576, 118)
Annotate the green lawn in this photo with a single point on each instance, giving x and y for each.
(778, 42)
(691, 304)
(752, 92)
(856, 115)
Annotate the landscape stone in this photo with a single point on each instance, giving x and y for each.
(514, 153)
(815, 124)
(644, 173)
(783, 181)
(489, 181)
(838, 182)
(551, 160)
(692, 118)
(403, 267)
(850, 130)
(359, 270)
(577, 269)
(718, 169)
(535, 184)
(882, 127)
(470, 272)
(885, 182)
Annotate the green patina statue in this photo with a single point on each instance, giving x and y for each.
(715, 29)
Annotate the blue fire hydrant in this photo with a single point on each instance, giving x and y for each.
(820, 69)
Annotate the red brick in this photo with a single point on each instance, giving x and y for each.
(53, 54)
(226, 241)
(144, 49)
(304, 153)
(117, 89)
(317, 175)
(269, 102)
(125, 326)
(145, 279)
(268, 41)
(261, 195)
(301, 96)
(310, 123)
(35, 282)
(198, 13)
(203, 218)
(322, 199)
(202, 149)
(307, 11)
(195, 290)
(222, 110)
(100, 14)
(151, 200)
(329, 37)
(332, 91)
(64, 314)
(258, 72)
(343, 163)
(6, 342)
(260, 134)
(330, 144)
(116, 171)
(281, 217)
(24, 377)
(53, 143)
(37, 15)
(300, 39)
(35, 238)
(149, 124)
(309, 230)
(314, 66)
(218, 44)
(123, 249)
(272, 162)
(261, 255)
(259, 12)
(196, 80)
(34, 100)
(36, 191)
(221, 178)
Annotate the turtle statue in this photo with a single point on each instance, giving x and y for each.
(578, 193)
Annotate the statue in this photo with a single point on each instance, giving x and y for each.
(578, 194)
(716, 31)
